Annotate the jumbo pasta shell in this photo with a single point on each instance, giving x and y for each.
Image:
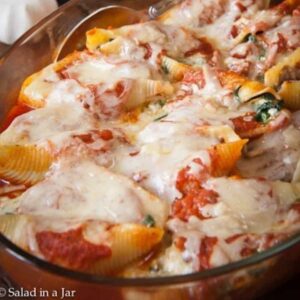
(113, 47)
(231, 80)
(223, 132)
(143, 89)
(67, 61)
(12, 191)
(290, 93)
(97, 37)
(129, 242)
(296, 175)
(24, 98)
(286, 69)
(38, 86)
(225, 156)
(287, 193)
(241, 36)
(168, 16)
(253, 89)
(174, 69)
(13, 228)
(23, 164)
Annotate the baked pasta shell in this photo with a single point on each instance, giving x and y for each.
(290, 93)
(97, 37)
(143, 89)
(23, 164)
(283, 70)
(174, 69)
(225, 156)
(13, 227)
(253, 89)
(29, 101)
(129, 242)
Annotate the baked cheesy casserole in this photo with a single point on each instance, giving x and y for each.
(165, 147)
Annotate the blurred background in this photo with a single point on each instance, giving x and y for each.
(17, 16)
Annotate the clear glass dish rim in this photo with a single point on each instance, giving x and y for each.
(46, 266)
(28, 258)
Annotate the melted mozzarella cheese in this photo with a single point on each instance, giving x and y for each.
(167, 146)
(223, 24)
(248, 200)
(289, 30)
(95, 71)
(176, 40)
(130, 171)
(144, 32)
(42, 84)
(54, 123)
(84, 190)
(244, 208)
(68, 91)
(195, 13)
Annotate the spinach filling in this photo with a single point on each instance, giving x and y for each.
(266, 107)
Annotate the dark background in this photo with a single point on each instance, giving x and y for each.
(60, 2)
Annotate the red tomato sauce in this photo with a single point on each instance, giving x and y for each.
(2, 183)
(204, 47)
(194, 195)
(194, 76)
(187, 182)
(70, 248)
(246, 126)
(296, 206)
(245, 123)
(17, 110)
(89, 138)
(191, 204)
(179, 242)
(206, 250)
(148, 49)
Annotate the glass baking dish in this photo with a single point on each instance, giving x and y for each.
(245, 279)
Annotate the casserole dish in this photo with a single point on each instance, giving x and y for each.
(246, 278)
